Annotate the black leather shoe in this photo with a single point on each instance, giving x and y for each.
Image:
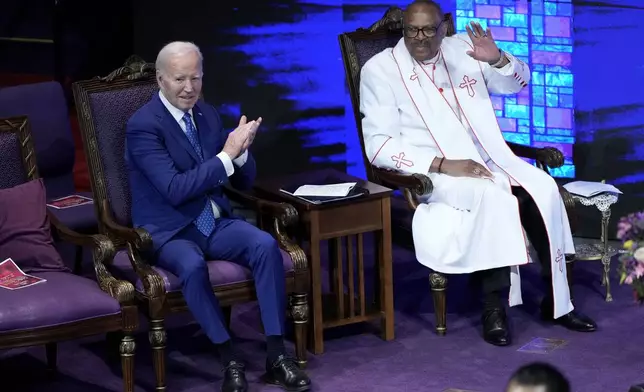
(285, 373)
(574, 321)
(234, 378)
(495, 327)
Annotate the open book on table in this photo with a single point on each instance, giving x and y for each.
(325, 193)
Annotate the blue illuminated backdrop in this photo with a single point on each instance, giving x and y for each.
(280, 59)
(539, 33)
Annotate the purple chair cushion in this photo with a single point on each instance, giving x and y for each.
(25, 234)
(63, 298)
(79, 218)
(221, 272)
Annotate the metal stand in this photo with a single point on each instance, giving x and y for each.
(600, 251)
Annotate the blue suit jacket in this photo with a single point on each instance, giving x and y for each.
(169, 184)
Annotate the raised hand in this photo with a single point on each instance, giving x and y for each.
(484, 47)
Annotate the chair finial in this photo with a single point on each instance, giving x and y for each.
(135, 68)
(391, 20)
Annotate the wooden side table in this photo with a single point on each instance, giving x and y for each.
(339, 222)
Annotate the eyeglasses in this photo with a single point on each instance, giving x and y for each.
(429, 32)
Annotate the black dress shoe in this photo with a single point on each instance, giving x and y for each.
(495, 327)
(234, 378)
(574, 321)
(285, 373)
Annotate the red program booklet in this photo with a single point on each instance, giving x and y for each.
(69, 201)
(13, 278)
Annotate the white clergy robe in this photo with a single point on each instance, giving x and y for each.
(413, 114)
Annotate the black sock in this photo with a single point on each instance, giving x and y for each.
(275, 347)
(226, 352)
(492, 301)
(548, 290)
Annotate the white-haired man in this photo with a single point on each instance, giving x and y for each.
(179, 158)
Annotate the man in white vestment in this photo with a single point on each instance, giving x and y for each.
(427, 110)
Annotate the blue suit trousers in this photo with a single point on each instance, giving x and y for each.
(235, 241)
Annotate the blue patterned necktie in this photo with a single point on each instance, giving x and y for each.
(205, 222)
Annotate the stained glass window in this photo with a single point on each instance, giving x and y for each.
(541, 33)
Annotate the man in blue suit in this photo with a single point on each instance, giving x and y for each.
(179, 158)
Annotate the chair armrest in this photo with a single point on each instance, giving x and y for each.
(137, 240)
(547, 157)
(413, 185)
(285, 212)
(103, 250)
(284, 216)
(138, 237)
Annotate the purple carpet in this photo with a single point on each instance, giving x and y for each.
(356, 360)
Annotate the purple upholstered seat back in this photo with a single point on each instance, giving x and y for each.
(11, 164)
(109, 112)
(45, 106)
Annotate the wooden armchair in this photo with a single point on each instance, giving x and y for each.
(66, 306)
(357, 48)
(105, 105)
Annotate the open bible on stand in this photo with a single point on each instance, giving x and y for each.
(589, 189)
(326, 193)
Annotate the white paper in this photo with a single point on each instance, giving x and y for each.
(330, 190)
(14, 278)
(590, 189)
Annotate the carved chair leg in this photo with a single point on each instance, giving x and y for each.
(228, 315)
(157, 337)
(299, 312)
(51, 352)
(127, 349)
(438, 284)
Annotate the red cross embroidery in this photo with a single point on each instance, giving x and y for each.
(468, 84)
(400, 160)
(413, 76)
(560, 260)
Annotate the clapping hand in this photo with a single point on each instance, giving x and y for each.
(242, 137)
(484, 48)
(251, 131)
